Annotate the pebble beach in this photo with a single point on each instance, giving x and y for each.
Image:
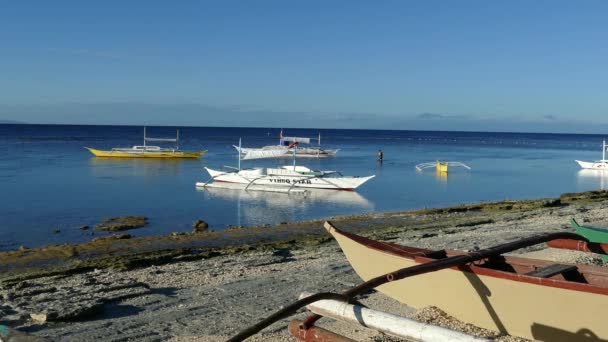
(175, 288)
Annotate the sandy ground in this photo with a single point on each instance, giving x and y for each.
(213, 298)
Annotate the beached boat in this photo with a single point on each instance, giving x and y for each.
(598, 164)
(147, 151)
(523, 297)
(286, 145)
(591, 233)
(284, 178)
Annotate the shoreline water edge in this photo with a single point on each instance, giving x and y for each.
(206, 286)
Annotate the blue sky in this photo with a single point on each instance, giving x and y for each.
(461, 65)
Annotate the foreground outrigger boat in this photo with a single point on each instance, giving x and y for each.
(147, 151)
(528, 298)
(598, 164)
(522, 297)
(286, 145)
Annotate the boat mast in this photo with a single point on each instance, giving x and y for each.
(295, 147)
(239, 154)
(144, 136)
(177, 141)
(604, 150)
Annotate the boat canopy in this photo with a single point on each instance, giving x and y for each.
(259, 154)
(161, 139)
(299, 140)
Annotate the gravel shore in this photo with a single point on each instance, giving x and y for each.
(211, 297)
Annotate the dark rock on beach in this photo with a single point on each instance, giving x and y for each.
(115, 224)
(200, 226)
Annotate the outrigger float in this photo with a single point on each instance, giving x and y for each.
(281, 179)
(598, 164)
(147, 151)
(522, 297)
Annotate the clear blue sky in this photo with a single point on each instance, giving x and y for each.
(472, 65)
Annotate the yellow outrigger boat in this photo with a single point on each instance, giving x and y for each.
(146, 151)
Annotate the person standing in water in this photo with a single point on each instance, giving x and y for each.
(380, 155)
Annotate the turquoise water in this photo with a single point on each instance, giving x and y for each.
(49, 181)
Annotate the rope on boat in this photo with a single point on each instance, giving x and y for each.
(365, 287)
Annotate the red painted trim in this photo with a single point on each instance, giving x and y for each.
(419, 255)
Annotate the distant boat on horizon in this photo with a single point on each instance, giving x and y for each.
(147, 151)
(286, 144)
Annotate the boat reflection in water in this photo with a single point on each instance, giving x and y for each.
(262, 207)
(137, 167)
(441, 176)
(589, 178)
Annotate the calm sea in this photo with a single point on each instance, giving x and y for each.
(48, 180)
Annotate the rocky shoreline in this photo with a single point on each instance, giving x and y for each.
(206, 286)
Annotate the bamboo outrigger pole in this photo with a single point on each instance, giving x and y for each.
(440, 264)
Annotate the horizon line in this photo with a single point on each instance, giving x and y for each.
(309, 128)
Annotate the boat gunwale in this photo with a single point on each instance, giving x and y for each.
(421, 256)
(594, 229)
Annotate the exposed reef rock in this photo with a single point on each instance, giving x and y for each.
(112, 237)
(115, 224)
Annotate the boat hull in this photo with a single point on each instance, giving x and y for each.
(145, 154)
(599, 165)
(592, 234)
(520, 305)
(259, 178)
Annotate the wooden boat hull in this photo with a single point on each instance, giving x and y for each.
(546, 309)
(592, 234)
(145, 154)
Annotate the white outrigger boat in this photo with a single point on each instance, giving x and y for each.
(281, 179)
(598, 164)
(286, 145)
